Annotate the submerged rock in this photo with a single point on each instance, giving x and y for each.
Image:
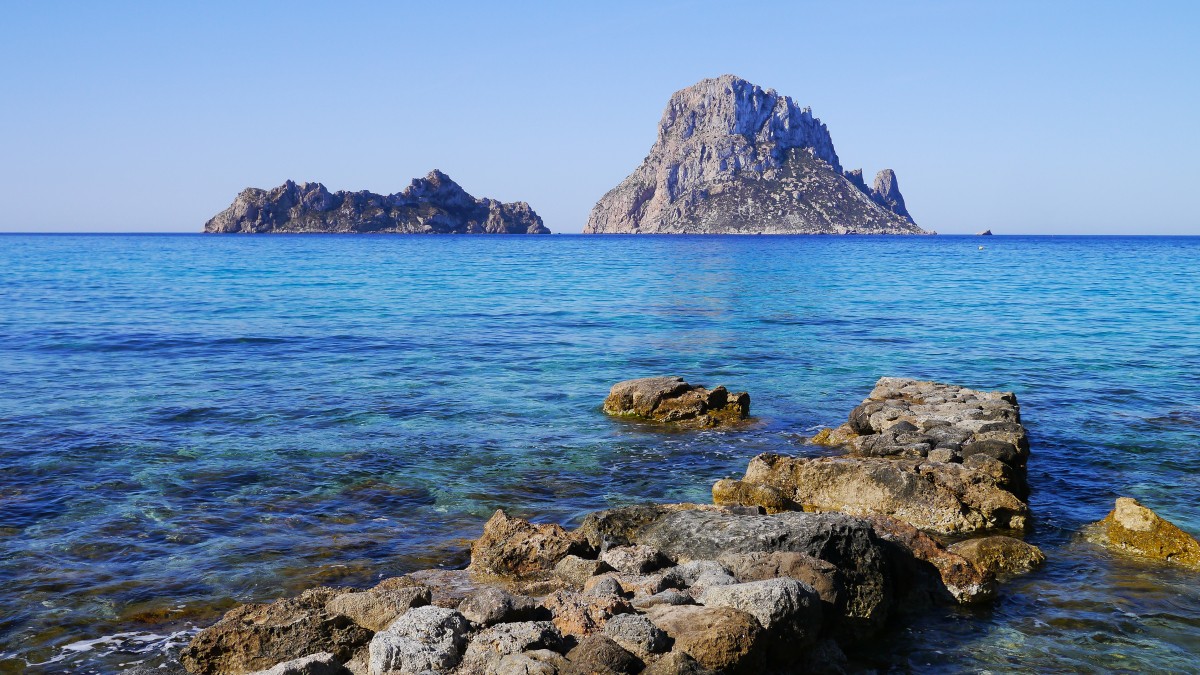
(1135, 529)
(671, 399)
(1000, 554)
(434, 204)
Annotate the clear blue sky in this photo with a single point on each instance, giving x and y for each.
(1022, 117)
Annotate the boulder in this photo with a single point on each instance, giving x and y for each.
(671, 399)
(258, 636)
(637, 634)
(534, 662)
(576, 570)
(580, 615)
(516, 548)
(488, 647)
(1135, 529)
(822, 576)
(424, 639)
(835, 437)
(489, 606)
(376, 609)
(603, 586)
(323, 663)
(788, 609)
(675, 663)
(849, 544)
(935, 496)
(601, 655)
(729, 492)
(953, 575)
(670, 596)
(718, 638)
(634, 559)
(1000, 554)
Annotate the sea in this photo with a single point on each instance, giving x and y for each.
(188, 422)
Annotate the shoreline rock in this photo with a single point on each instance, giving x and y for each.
(1135, 529)
(672, 400)
(656, 589)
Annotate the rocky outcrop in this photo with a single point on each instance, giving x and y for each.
(671, 399)
(434, 204)
(1000, 554)
(1135, 529)
(942, 458)
(733, 158)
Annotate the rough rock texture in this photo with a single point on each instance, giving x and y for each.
(434, 204)
(1000, 554)
(492, 605)
(315, 664)
(940, 457)
(601, 655)
(579, 615)
(1136, 529)
(423, 639)
(255, 637)
(719, 638)
(512, 547)
(637, 634)
(375, 609)
(488, 647)
(958, 577)
(671, 399)
(729, 492)
(821, 575)
(788, 609)
(734, 158)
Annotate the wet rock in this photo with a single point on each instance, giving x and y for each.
(489, 606)
(634, 559)
(718, 638)
(850, 544)
(958, 577)
(729, 492)
(576, 570)
(579, 615)
(788, 609)
(516, 548)
(822, 576)
(1000, 554)
(376, 609)
(323, 663)
(835, 437)
(1133, 528)
(601, 655)
(423, 639)
(637, 634)
(934, 496)
(254, 637)
(671, 399)
(489, 646)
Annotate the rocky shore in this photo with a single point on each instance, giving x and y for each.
(791, 569)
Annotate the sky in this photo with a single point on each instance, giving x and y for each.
(1020, 117)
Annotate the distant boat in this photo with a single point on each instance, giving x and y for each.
(985, 233)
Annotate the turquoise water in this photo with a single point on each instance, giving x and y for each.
(189, 421)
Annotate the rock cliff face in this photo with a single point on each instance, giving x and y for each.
(734, 158)
(434, 204)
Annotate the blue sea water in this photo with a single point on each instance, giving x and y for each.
(192, 421)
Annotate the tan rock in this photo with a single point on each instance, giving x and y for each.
(671, 399)
(999, 554)
(1136, 529)
(834, 437)
(579, 615)
(516, 548)
(759, 566)
(376, 609)
(719, 638)
(576, 570)
(258, 636)
(934, 496)
(728, 492)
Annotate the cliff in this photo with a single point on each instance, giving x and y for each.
(434, 204)
(734, 158)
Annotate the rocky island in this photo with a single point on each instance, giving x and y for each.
(434, 204)
(733, 158)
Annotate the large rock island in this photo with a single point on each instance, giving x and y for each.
(733, 158)
(434, 204)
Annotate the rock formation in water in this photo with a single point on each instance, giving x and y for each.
(672, 400)
(732, 158)
(1135, 529)
(434, 204)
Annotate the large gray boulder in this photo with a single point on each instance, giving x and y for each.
(788, 609)
(423, 639)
